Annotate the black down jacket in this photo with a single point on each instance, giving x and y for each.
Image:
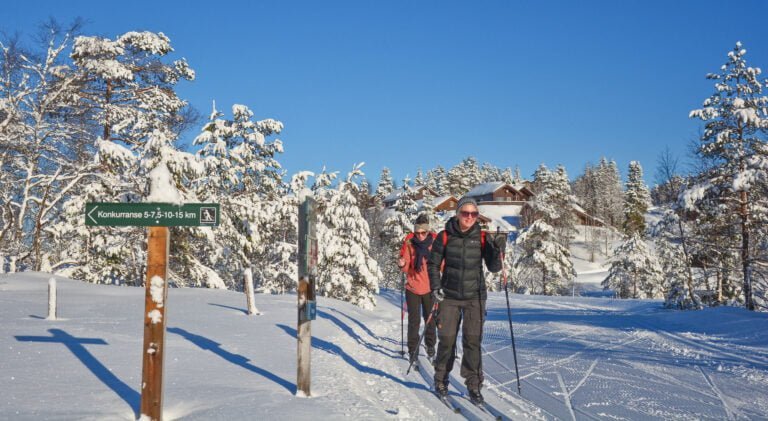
(462, 277)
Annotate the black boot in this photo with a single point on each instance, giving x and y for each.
(441, 388)
(475, 397)
(431, 353)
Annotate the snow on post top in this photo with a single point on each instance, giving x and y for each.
(161, 186)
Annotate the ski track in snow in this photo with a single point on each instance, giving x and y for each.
(579, 358)
(543, 374)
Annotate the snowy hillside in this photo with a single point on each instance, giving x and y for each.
(579, 358)
(591, 273)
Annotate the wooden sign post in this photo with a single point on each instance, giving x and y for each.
(158, 217)
(156, 292)
(306, 293)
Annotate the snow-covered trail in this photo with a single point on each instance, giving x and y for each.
(597, 358)
(579, 358)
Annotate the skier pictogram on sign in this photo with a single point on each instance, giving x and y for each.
(207, 216)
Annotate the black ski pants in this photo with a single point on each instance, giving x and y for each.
(450, 316)
(419, 306)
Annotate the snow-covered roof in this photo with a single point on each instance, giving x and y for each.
(394, 195)
(485, 188)
(504, 217)
(520, 186)
(579, 209)
(438, 200)
(397, 192)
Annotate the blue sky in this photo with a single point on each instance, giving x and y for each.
(408, 84)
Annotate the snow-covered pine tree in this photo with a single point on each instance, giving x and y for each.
(364, 196)
(517, 178)
(489, 173)
(610, 193)
(543, 265)
(634, 271)
(346, 269)
(43, 153)
(398, 224)
(419, 180)
(554, 201)
(672, 248)
(441, 181)
(386, 186)
(463, 176)
(428, 208)
(129, 92)
(507, 177)
(734, 143)
(243, 176)
(637, 199)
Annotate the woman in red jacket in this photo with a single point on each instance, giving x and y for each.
(413, 261)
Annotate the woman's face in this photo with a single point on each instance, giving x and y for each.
(467, 216)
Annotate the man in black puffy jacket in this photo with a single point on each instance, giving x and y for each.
(461, 291)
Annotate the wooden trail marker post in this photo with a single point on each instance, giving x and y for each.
(158, 217)
(306, 293)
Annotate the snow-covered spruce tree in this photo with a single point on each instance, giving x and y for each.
(610, 192)
(346, 270)
(507, 177)
(634, 271)
(385, 186)
(279, 269)
(463, 176)
(734, 143)
(637, 199)
(243, 176)
(427, 208)
(584, 187)
(397, 225)
(128, 92)
(364, 196)
(542, 265)
(419, 180)
(441, 182)
(672, 247)
(489, 173)
(554, 201)
(516, 177)
(43, 149)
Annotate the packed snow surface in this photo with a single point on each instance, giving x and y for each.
(579, 358)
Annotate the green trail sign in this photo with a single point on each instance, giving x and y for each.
(152, 214)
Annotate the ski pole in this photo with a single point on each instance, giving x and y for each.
(421, 337)
(402, 316)
(509, 316)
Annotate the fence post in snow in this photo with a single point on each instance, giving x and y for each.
(248, 280)
(52, 299)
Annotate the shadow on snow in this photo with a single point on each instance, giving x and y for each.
(76, 346)
(215, 347)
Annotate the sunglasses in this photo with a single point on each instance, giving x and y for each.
(421, 233)
(467, 214)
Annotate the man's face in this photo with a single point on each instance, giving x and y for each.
(467, 216)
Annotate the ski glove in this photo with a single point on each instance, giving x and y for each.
(438, 295)
(500, 241)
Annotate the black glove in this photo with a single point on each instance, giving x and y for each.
(438, 295)
(500, 241)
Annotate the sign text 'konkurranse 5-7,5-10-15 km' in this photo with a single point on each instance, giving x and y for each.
(152, 214)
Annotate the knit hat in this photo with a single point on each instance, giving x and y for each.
(466, 200)
(421, 224)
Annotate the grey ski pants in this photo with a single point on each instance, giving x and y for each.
(470, 314)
